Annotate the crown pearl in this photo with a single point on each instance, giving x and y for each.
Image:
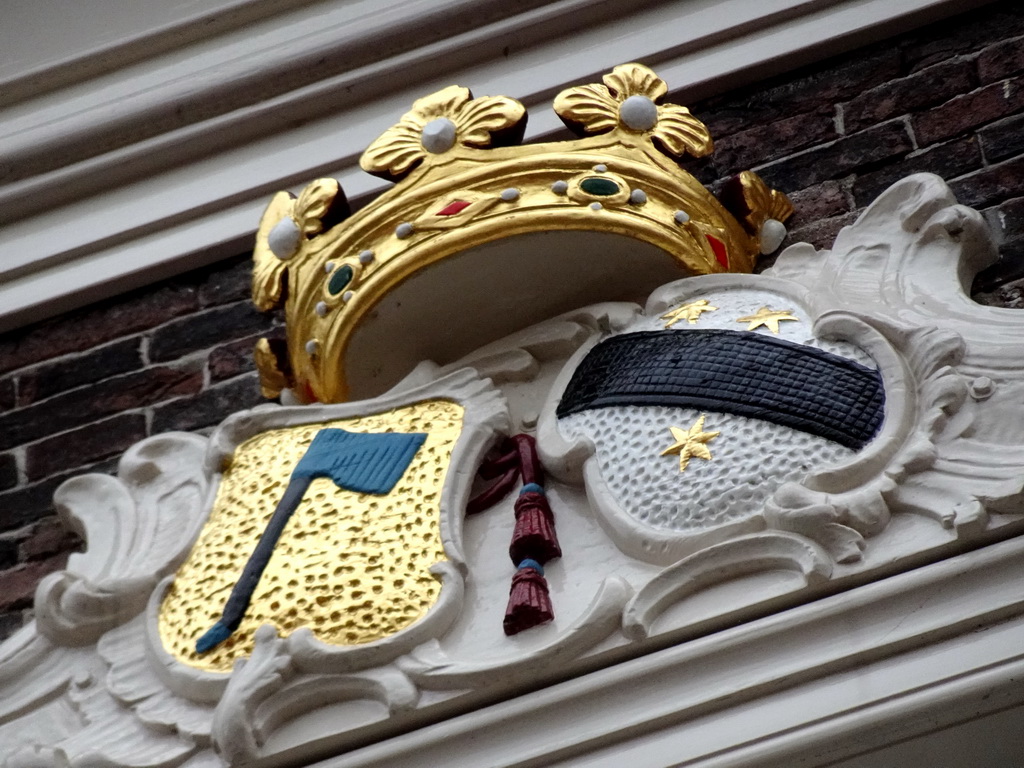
(638, 197)
(773, 232)
(438, 136)
(403, 230)
(681, 217)
(510, 195)
(596, 206)
(366, 257)
(560, 187)
(639, 113)
(312, 347)
(284, 238)
(321, 308)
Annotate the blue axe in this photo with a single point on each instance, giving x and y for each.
(365, 463)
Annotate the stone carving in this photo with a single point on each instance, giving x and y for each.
(652, 554)
(647, 506)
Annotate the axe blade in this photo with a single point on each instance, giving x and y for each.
(361, 462)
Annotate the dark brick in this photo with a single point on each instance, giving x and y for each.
(88, 404)
(757, 146)
(9, 552)
(821, 234)
(1010, 296)
(10, 623)
(703, 169)
(210, 406)
(954, 158)
(1001, 60)
(1007, 222)
(969, 111)
(68, 373)
(7, 393)
(206, 329)
(838, 158)
(83, 446)
(234, 359)
(818, 202)
(908, 94)
(8, 471)
(95, 325)
(48, 538)
(962, 34)
(992, 185)
(229, 282)
(25, 505)
(1008, 219)
(30, 503)
(1012, 252)
(1003, 139)
(812, 89)
(18, 584)
(1009, 268)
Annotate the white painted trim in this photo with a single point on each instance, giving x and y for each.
(151, 192)
(116, 36)
(915, 653)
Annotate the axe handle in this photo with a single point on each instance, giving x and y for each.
(241, 595)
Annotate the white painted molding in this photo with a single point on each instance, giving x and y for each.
(927, 650)
(156, 154)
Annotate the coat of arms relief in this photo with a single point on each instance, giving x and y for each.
(537, 417)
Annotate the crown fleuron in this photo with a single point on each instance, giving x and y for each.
(481, 236)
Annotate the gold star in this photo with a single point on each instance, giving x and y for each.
(688, 312)
(767, 317)
(691, 443)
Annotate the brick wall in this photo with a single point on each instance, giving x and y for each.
(77, 390)
(947, 99)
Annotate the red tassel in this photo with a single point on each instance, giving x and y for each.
(497, 464)
(529, 462)
(534, 535)
(490, 496)
(529, 603)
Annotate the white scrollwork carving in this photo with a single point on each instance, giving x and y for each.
(137, 527)
(755, 553)
(430, 667)
(254, 680)
(906, 267)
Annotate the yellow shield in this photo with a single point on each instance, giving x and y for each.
(353, 567)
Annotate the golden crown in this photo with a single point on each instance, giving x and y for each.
(482, 236)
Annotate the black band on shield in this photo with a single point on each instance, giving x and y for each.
(742, 373)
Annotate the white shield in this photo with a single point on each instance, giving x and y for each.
(669, 481)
